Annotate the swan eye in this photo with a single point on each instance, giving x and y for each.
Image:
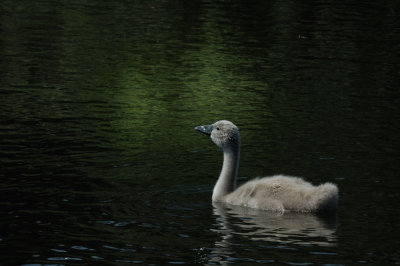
(217, 128)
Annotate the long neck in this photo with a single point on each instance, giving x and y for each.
(227, 179)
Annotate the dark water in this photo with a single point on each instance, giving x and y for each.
(99, 162)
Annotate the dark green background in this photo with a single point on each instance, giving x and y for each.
(99, 162)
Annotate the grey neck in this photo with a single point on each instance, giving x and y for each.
(227, 179)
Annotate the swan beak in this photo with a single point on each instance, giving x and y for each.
(205, 129)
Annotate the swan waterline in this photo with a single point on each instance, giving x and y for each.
(275, 193)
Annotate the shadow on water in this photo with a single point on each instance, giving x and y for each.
(268, 230)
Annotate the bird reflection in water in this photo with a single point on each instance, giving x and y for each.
(274, 230)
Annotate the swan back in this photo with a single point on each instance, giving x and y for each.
(280, 193)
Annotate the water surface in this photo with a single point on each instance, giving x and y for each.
(99, 160)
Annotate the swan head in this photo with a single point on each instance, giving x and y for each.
(223, 133)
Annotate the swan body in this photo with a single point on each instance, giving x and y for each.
(276, 193)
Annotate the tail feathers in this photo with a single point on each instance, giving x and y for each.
(326, 197)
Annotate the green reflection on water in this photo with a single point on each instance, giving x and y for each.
(111, 91)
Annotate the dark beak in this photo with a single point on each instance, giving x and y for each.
(205, 129)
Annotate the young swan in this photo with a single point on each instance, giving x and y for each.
(276, 193)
